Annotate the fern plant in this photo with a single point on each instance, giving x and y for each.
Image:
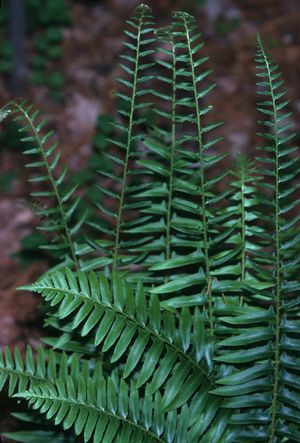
(180, 324)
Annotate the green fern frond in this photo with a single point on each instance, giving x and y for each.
(40, 432)
(92, 407)
(108, 409)
(241, 214)
(159, 164)
(178, 190)
(77, 395)
(142, 338)
(57, 219)
(14, 370)
(263, 340)
(132, 329)
(135, 68)
(188, 212)
(72, 396)
(274, 110)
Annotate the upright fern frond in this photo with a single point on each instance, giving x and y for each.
(160, 163)
(245, 197)
(274, 109)
(262, 345)
(61, 214)
(242, 214)
(172, 150)
(187, 23)
(134, 66)
(192, 219)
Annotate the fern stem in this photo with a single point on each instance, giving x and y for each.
(277, 294)
(202, 180)
(20, 374)
(53, 185)
(243, 222)
(173, 144)
(277, 300)
(128, 146)
(243, 228)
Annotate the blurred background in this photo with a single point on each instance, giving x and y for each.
(63, 56)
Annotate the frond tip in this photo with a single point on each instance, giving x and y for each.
(4, 112)
(143, 8)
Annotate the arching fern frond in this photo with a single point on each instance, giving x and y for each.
(100, 409)
(75, 394)
(55, 219)
(45, 366)
(105, 409)
(72, 394)
(166, 353)
(133, 330)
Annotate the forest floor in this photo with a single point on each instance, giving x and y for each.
(89, 64)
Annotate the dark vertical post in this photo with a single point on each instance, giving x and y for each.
(17, 31)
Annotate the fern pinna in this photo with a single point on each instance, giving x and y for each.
(185, 328)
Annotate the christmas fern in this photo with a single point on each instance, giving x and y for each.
(185, 327)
